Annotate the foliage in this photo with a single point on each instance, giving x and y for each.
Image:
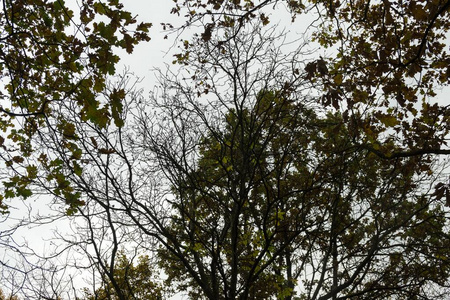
(280, 191)
(387, 61)
(129, 281)
(3, 297)
(249, 188)
(391, 59)
(223, 210)
(277, 198)
(51, 55)
(251, 173)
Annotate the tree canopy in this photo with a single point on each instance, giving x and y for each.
(387, 61)
(255, 168)
(50, 57)
(128, 281)
(284, 200)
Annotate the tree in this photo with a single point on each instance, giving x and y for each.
(247, 188)
(52, 55)
(280, 192)
(272, 193)
(244, 184)
(133, 281)
(232, 211)
(387, 60)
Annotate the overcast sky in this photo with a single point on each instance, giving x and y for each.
(152, 54)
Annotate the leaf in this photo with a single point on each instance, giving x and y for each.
(310, 69)
(338, 79)
(18, 159)
(117, 96)
(77, 169)
(322, 67)
(99, 8)
(106, 151)
(144, 27)
(388, 120)
(94, 142)
(69, 130)
(264, 19)
(24, 192)
(32, 172)
(129, 43)
(206, 35)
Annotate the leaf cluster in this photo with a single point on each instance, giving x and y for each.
(134, 281)
(51, 59)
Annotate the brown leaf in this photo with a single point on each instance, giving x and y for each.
(206, 36)
(439, 190)
(106, 151)
(94, 142)
(322, 67)
(310, 70)
(447, 197)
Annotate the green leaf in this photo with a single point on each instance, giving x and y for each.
(78, 170)
(32, 172)
(24, 192)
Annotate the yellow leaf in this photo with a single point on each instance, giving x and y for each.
(338, 79)
(388, 120)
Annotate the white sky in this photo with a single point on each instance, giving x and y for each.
(158, 51)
